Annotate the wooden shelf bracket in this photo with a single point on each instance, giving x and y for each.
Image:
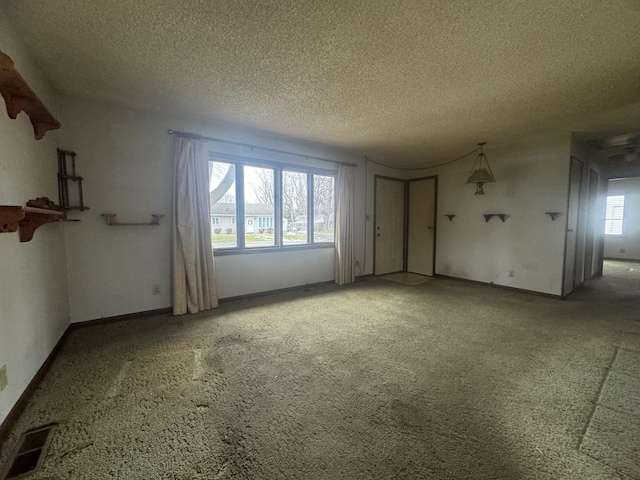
(26, 220)
(501, 216)
(18, 97)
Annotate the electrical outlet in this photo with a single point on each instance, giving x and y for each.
(156, 290)
(512, 273)
(622, 250)
(3, 377)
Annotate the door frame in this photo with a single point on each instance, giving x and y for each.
(590, 234)
(435, 220)
(405, 221)
(573, 160)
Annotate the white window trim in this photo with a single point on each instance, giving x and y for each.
(278, 168)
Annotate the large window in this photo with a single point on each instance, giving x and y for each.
(614, 215)
(263, 205)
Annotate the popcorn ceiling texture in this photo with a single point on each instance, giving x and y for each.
(377, 380)
(401, 81)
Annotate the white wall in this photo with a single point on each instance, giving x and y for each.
(33, 284)
(629, 241)
(532, 178)
(125, 156)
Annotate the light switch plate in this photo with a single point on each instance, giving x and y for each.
(3, 377)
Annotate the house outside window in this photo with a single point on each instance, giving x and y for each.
(614, 216)
(267, 205)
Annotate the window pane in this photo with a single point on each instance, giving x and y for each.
(259, 194)
(294, 208)
(222, 188)
(614, 215)
(323, 209)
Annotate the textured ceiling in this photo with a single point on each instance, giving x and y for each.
(398, 80)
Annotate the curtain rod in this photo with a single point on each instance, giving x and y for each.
(273, 150)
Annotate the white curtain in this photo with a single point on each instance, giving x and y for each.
(344, 260)
(194, 287)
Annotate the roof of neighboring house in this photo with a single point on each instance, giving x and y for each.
(250, 210)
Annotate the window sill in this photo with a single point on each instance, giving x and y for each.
(287, 248)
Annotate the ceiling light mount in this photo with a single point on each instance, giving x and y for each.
(481, 172)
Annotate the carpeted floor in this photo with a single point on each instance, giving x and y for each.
(377, 380)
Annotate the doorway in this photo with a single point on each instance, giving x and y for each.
(573, 214)
(421, 226)
(590, 254)
(389, 225)
(405, 225)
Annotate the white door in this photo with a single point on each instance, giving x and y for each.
(573, 213)
(421, 241)
(389, 226)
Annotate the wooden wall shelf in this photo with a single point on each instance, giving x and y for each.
(501, 216)
(112, 221)
(26, 220)
(19, 97)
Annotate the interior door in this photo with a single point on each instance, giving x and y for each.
(573, 212)
(421, 229)
(589, 250)
(389, 226)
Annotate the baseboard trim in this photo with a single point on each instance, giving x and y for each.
(613, 259)
(266, 293)
(120, 318)
(362, 278)
(502, 287)
(17, 409)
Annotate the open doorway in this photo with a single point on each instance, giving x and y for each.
(622, 220)
(621, 267)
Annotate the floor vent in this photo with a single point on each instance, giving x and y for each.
(30, 452)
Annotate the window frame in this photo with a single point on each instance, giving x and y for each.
(621, 219)
(278, 168)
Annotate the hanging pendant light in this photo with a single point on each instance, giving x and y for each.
(481, 172)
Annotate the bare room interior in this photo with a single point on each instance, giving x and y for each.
(319, 240)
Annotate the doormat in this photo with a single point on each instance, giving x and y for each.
(406, 278)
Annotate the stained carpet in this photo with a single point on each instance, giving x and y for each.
(444, 380)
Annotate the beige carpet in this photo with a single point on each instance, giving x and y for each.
(445, 380)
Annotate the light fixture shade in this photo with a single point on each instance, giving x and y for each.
(481, 175)
(481, 172)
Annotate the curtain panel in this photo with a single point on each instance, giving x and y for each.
(194, 287)
(344, 259)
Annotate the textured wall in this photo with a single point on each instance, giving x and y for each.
(125, 156)
(33, 284)
(532, 179)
